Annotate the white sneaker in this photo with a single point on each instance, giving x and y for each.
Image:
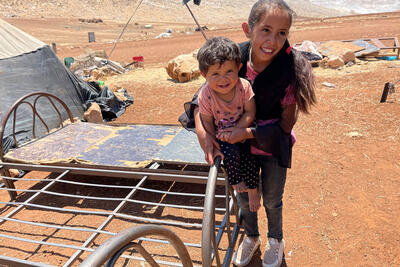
(273, 253)
(245, 251)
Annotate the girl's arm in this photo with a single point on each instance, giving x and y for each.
(245, 121)
(290, 114)
(249, 114)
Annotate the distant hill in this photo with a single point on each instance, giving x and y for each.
(172, 11)
(361, 6)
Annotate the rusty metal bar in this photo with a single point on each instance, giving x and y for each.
(208, 215)
(29, 200)
(13, 109)
(162, 175)
(106, 221)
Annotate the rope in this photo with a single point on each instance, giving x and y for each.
(123, 30)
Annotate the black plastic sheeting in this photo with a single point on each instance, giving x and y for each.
(110, 105)
(42, 71)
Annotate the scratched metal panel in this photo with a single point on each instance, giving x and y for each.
(97, 144)
(134, 146)
(184, 148)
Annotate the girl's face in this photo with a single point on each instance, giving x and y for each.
(222, 78)
(268, 36)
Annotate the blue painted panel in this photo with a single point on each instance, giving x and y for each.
(184, 148)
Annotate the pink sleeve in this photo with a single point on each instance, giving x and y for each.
(205, 102)
(289, 98)
(247, 90)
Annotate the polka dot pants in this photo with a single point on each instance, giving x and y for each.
(240, 164)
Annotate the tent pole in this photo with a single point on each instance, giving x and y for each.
(195, 20)
(126, 25)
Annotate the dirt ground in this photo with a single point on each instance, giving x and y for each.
(341, 202)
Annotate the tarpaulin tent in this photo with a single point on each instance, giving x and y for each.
(28, 65)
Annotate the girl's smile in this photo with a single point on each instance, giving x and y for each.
(267, 37)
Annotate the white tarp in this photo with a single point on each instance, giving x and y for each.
(14, 42)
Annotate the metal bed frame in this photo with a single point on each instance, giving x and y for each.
(119, 208)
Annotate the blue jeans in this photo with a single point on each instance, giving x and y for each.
(273, 178)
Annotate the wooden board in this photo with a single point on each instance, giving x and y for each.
(337, 48)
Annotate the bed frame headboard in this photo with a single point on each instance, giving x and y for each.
(33, 104)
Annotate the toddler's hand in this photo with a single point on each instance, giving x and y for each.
(223, 135)
(233, 135)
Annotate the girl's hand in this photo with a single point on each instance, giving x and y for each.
(233, 135)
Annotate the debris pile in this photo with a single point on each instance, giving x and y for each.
(108, 101)
(93, 65)
(336, 54)
(93, 20)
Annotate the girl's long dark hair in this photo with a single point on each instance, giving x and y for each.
(303, 81)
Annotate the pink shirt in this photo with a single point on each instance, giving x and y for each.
(288, 99)
(225, 114)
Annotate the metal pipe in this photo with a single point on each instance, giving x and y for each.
(198, 25)
(208, 215)
(116, 243)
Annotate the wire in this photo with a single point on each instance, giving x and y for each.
(123, 30)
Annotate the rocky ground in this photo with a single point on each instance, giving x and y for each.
(342, 201)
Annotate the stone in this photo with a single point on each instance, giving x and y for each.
(183, 68)
(14, 173)
(93, 114)
(348, 56)
(335, 62)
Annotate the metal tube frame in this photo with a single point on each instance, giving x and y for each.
(211, 235)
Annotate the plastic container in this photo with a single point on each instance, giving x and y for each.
(388, 57)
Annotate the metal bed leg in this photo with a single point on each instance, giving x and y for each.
(8, 183)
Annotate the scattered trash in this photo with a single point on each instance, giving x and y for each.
(163, 35)
(68, 61)
(94, 20)
(354, 134)
(388, 57)
(202, 27)
(309, 50)
(330, 85)
(337, 54)
(137, 61)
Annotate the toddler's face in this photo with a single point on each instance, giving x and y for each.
(269, 35)
(222, 78)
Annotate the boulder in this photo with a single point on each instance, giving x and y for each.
(93, 114)
(183, 68)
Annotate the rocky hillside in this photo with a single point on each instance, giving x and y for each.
(172, 11)
(360, 6)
